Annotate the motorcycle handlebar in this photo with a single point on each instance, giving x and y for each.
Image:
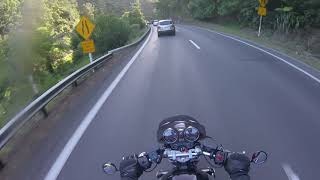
(219, 156)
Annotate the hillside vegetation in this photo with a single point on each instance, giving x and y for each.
(117, 7)
(39, 45)
(293, 23)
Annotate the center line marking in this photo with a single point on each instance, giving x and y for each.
(194, 44)
(288, 170)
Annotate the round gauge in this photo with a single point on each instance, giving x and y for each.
(170, 136)
(191, 134)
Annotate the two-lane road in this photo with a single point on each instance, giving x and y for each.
(247, 99)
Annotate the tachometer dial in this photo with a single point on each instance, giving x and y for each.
(191, 134)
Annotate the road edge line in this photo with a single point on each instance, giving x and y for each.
(289, 172)
(64, 155)
(269, 53)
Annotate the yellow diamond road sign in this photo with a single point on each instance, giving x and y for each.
(263, 3)
(85, 27)
(88, 46)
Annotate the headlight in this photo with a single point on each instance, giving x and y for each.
(191, 134)
(170, 136)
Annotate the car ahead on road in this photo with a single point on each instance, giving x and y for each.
(155, 22)
(166, 27)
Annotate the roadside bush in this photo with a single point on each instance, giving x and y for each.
(248, 14)
(111, 32)
(229, 7)
(134, 31)
(76, 46)
(134, 28)
(202, 9)
(135, 15)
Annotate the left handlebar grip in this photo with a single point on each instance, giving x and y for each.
(144, 162)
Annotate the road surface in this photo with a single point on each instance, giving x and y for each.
(248, 100)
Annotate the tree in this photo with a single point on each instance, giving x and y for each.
(111, 32)
(59, 19)
(202, 9)
(88, 10)
(229, 7)
(135, 15)
(10, 13)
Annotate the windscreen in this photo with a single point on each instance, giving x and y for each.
(165, 22)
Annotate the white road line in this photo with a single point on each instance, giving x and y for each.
(73, 141)
(290, 173)
(275, 56)
(194, 44)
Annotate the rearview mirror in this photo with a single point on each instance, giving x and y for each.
(109, 168)
(259, 157)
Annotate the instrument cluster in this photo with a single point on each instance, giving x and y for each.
(180, 134)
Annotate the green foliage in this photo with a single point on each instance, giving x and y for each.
(229, 7)
(168, 8)
(111, 32)
(4, 78)
(60, 16)
(10, 14)
(202, 9)
(248, 13)
(59, 20)
(46, 46)
(294, 15)
(135, 15)
(287, 20)
(88, 10)
(3, 50)
(42, 45)
(283, 15)
(76, 46)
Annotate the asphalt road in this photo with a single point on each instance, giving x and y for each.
(247, 99)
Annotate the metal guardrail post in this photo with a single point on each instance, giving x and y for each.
(75, 84)
(1, 165)
(45, 112)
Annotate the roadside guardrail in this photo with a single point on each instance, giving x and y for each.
(39, 104)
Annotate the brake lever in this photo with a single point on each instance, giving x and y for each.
(220, 157)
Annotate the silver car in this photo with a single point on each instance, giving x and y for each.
(166, 27)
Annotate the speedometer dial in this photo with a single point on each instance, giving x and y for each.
(170, 136)
(191, 134)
